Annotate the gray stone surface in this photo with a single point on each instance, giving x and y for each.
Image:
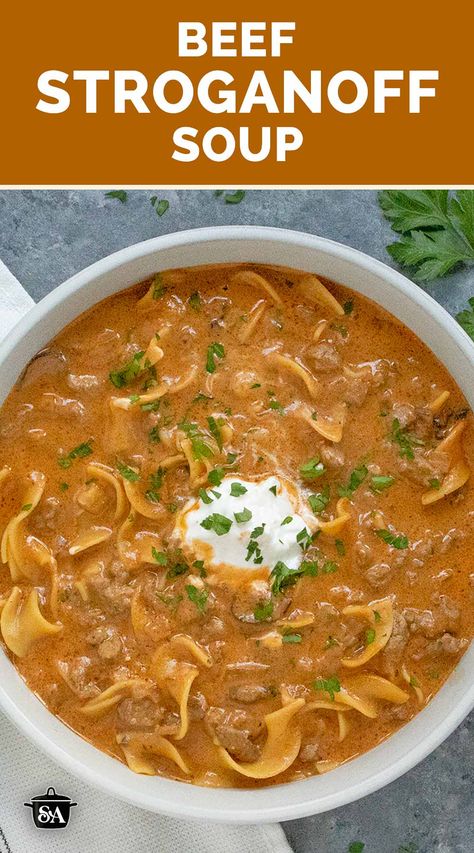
(46, 236)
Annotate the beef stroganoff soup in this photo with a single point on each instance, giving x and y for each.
(236, 516)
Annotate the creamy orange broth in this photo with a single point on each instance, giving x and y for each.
(253, 644)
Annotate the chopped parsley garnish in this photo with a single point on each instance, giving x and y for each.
(200, 397)
(237, 489)
(159, 557)
(204, 496)
(231, 458)
(304, 539)
(356, 479)
(405, 440)
(377, 616)
(156, 481)
(195, 301)
(395, 540)
(329, 567)
(198, 597)
(199, 446)
(172, 507)
(253, 549)
(356, 847)
(379, 483)
(292, 638)
(125, 375)
(170, 601)
(127, 473)
(199, 565)
(263, 610)
(232, 198)
(214, 429)
(330, 685)
(273, 490)
(216, 476)
(369, 636)
(26, 507)
(340, 547)
(312, 469)
(64, 487)
(214, 351)
(255, 385)
(283, 576)
(330, 642)
(348, 307)
(160, 206)
(257, 531)
(245, 515)
(176, 570)
(154, 435)
(79, 452)
(287, 520)
(120, 195)
(435, 484)
(276, 406)
(319, 501)
(218, 523)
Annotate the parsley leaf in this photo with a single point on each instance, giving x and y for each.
(160, 205)
(380, 483)
(126, 374)
(356, 847)
(199, 446)
(176, 570)
(292, 638)
(330, 685)
(120, 195)
(216, 476)
(127, 473)
(263, 610)
(466, 318)
(245, 515)
(214, 429)
(356, 479)
(396, 541)
(218, 523)
(312, 469)
(198, 597)
(235, 197)
(283, 576)
(437, 229)
(214, 351)
(195, 301)
(159, 557)
(405, 440)
(237, 489)
(79, 452)
(369, 636)
(319, 501)
(154, 435)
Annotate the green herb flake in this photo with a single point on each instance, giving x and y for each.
(340, 547)
(215, 350)
(255, 385)
(218, 523)
(330, 685)
(63, 487)
(398, 541)
(199, 441)
(176, 570)
(348, 307)
(435, 483)
(319, 501)
(198, 597)
(128, 372)
(154, 435)
(369, 636)
(377, 616)
(405, 440)
(329, 567)
(312, 469)
(236, 490)
(356, 847)
(380, 483)
(287, 520)
(214, 429)
(292, 638)
(26, 507)
(245, 515)
(204, 496)
(216, 476)
(120, 195)
(235, 197)
(79, 452)
(356, 479)
(276, 406)
(195, 301)
(160, 206)
(263, 611)
(273, 490)
(159, 557)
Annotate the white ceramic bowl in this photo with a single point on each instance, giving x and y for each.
(436, 329)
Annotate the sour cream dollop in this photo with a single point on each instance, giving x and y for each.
(246, 524)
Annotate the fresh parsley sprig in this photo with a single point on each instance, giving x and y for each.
(437, 229)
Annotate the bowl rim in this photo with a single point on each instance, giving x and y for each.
(237, 805)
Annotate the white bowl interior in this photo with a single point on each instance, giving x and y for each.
(452, 346)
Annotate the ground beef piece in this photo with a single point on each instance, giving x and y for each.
(237, 742)
(362, 553)
(418, 418)
(107, 641)
(356, 391)
(393, 652)
(432, 623)
(138, 714)
(75, 674)
(424, 466)
(248, 693)
(113, 595)
(324, 357)
(197, 706)
(310, 751)
(378, 574)
(446, 644)
(333, 457)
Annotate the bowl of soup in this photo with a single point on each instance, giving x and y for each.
(236, 519)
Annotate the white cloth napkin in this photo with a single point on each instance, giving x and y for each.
(98, 823)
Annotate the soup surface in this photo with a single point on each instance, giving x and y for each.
(236, 522)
